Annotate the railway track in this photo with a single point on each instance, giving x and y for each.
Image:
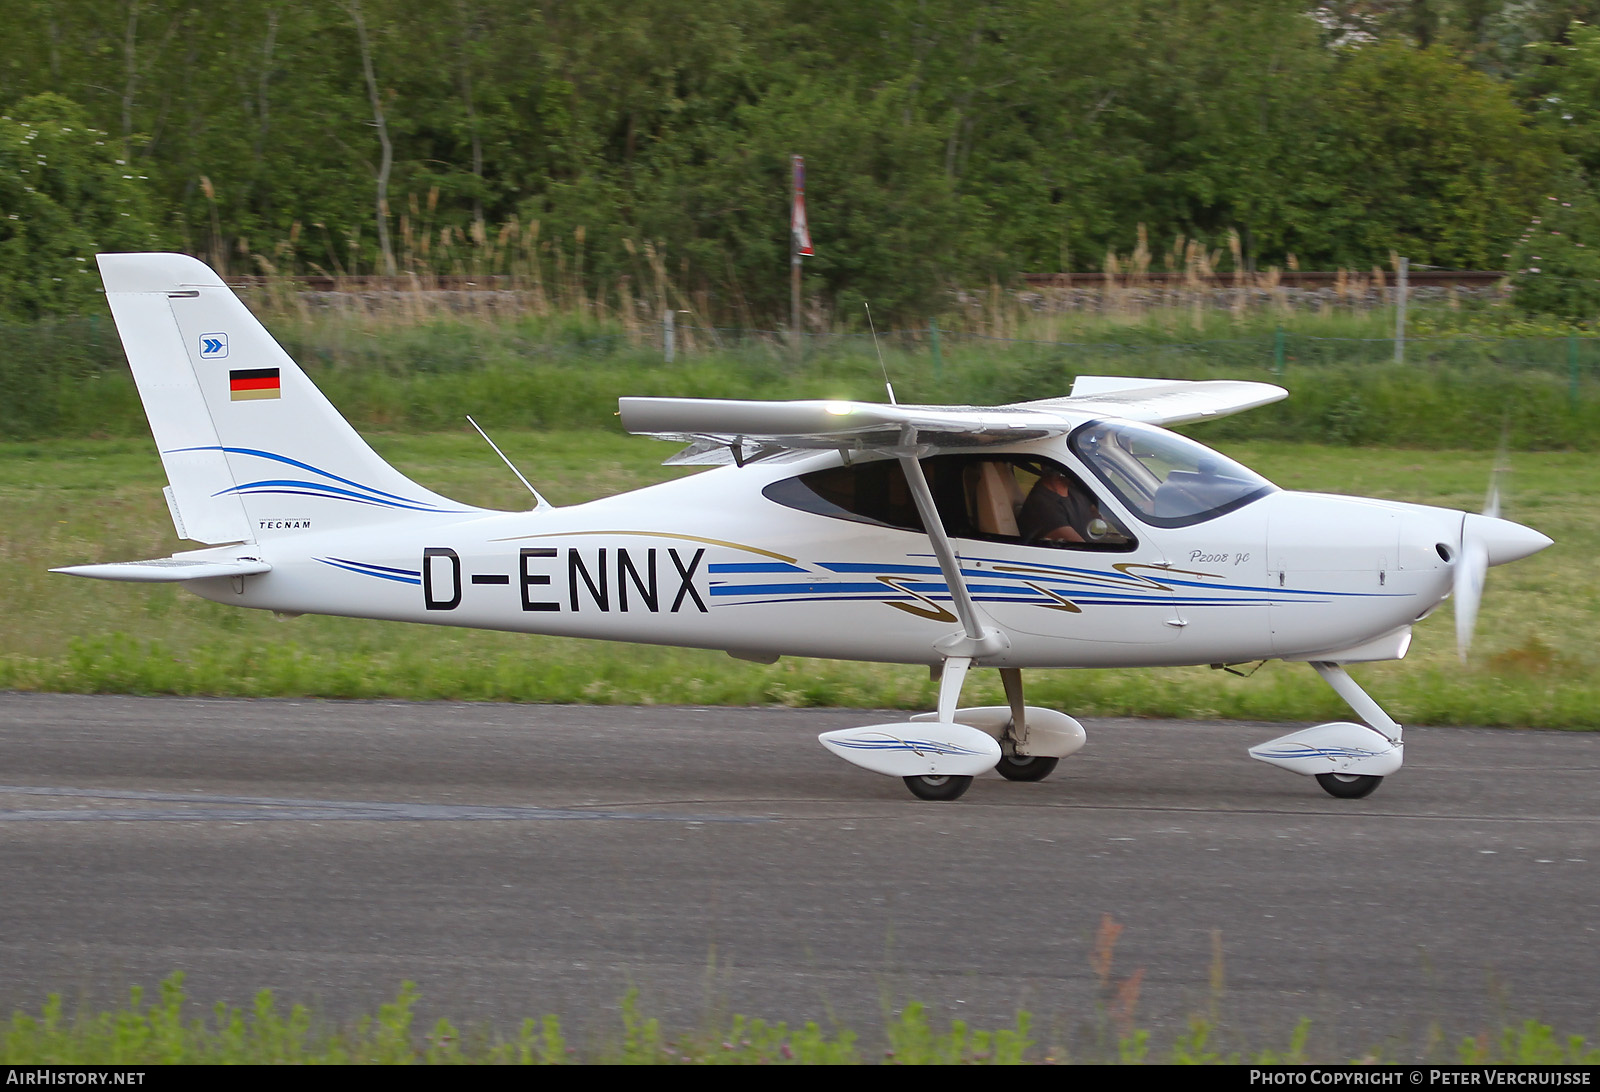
(1416, 278)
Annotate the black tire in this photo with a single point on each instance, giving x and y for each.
(938, 786)
(1025, 767)
(1348, 786)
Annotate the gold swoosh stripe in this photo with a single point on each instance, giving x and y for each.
(659, 534)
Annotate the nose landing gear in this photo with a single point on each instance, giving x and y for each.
(1348, 760)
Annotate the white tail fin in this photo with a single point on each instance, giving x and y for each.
(251, 448)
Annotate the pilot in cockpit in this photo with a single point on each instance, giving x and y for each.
(1057, 510)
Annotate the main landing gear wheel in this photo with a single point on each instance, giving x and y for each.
(1025, 767)
(1348, 786)
(938, 786)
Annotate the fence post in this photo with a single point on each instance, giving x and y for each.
(1400, 312)
(1572, 369)
(1277, 352)
(669, 334)
(933, 336)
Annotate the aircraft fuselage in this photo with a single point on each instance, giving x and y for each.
(708, 561)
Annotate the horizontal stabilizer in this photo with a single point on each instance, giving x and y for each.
(167, 570)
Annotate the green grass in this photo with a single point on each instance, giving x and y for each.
(67, 378)
(73, 501)
(161, 1031)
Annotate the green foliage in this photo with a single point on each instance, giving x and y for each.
(65, 377)
(1528, 1043)
(67, 191)
(713, 201)
(1565, 90)
(1557, 259)
(61, 376)
(1425, 158)
(161, 1032)
(591, 145)
(913, 1042)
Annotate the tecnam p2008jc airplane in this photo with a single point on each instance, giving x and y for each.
(1066, 532)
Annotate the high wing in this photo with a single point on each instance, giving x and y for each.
(724, 430)
(1160, 401)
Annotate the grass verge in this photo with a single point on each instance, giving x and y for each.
(1461, 390)
(159, 1031)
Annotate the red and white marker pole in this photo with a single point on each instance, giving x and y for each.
(799, 243)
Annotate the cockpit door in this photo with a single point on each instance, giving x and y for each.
(1048, 556)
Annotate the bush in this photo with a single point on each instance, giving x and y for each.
(1557, 260)
(66, 193)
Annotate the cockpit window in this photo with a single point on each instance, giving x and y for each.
(1169, 480)
(1000, 498)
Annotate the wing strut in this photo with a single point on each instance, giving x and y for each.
(940, 760)
(977, 639)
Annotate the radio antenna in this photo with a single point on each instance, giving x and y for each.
(888, 386)
(540, 502)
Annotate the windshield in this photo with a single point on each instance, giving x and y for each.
(1169, 480)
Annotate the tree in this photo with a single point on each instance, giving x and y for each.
(1422, 155)
(66, 192)
(1557, 259)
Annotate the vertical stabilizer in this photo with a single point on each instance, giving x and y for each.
(251, 448)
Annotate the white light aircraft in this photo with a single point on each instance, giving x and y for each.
(1066, 532)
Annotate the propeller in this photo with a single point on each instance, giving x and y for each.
(1486, 540)
(1472, 565)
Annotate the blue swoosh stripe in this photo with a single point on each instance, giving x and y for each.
(376, 503)
(318, 489)
(998, 593)
(1323, 752)
(367, 572)
(755, 567)
(375, 495)
(1036, 602)
(780, 589)
(383, 568)
(918, 746)
(292, 462)
(868, 567)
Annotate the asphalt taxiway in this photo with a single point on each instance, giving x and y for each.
(519, 860)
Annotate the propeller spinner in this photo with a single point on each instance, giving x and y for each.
(1486, 540)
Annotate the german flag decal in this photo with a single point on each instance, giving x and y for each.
(249, 384)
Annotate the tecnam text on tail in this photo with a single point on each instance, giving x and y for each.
(1066, 532)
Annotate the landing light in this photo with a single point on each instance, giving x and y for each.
(838, 409)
